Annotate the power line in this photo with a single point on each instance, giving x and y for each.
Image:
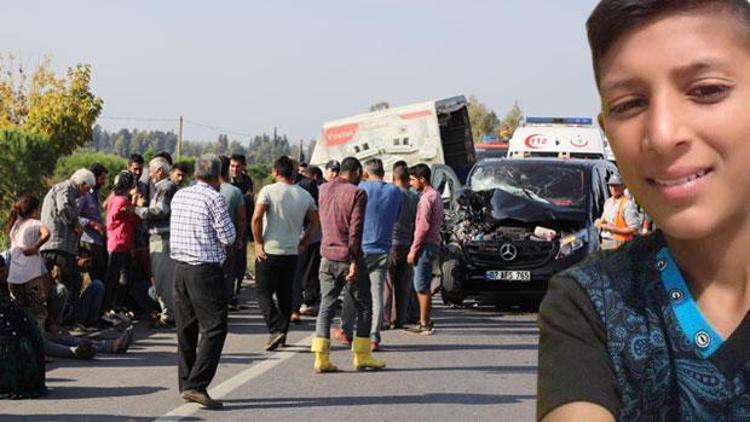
(219, 129)
(192, 122)
(140, 119)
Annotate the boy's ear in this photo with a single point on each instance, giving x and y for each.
(600, 119)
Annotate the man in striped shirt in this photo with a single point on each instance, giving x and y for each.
(200, 229)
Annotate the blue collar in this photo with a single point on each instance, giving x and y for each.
(698, 331)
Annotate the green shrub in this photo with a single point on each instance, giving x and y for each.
(67, 165)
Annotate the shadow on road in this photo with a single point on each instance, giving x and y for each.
(434, 398)
(58, 393)
(452, 347)
(94, 418)
(522, 369)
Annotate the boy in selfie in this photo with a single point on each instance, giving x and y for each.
(658, 329)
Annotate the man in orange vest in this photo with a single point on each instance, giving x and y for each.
(619, 222)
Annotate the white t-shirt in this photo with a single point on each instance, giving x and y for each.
(287, 205)
(24, 234)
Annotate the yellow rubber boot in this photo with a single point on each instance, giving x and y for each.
(363, 357)
(321, 347)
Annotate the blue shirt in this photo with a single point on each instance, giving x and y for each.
(383, 209)
(90, 208)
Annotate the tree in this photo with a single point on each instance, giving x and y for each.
(27, 159)
(62, 108)
(381, 105)
(483, 120)
(511, 121)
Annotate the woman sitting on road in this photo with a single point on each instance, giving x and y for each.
(21, 350)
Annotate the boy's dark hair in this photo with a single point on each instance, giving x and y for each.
(238, 158)
(400, 163)
(98, 170)
(165, 155)
(284, 166)
(333, 165)
(316, 171)
(135, 158)
(401, 173)
(124, 181)
(183, 167)
(421, 171)
(375, 167)
(612, 19)
(350, 164)
(224, 167)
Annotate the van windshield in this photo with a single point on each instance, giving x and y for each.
(555, 184)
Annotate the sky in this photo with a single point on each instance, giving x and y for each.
(245, 67)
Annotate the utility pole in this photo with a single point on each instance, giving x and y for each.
(179, 140)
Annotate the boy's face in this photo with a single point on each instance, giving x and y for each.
(177, 176)
(676, 108)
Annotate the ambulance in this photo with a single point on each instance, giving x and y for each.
(436, 132)
(552, 137)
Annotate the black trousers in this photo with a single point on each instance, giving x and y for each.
(275, 275)
(306, 280)
(201, 316)
(118, 281)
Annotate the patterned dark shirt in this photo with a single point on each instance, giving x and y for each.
(60, 215)
(622, 330)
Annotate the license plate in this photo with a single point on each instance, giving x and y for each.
(508, 275)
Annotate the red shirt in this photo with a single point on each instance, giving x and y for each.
(342, 218)
(120, 224)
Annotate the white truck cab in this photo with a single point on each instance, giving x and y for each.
(552, 137)
(431, 132)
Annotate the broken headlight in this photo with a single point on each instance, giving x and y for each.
(572, 242)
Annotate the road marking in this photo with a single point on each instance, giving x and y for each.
(237, 381)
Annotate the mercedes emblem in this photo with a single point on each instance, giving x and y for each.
(508, 252)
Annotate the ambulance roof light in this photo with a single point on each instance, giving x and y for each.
(560, 120)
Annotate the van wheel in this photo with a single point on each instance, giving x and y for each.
(451, 284)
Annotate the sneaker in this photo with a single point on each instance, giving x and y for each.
(295, 318)
(162, 323)
(84, 351)
(340, 336)
(424, 330)
(308, 310)
(275, 340)
(374, 346)
(111, 318)
(121, 344)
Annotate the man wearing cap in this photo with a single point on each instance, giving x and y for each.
(332, 170)
(619, 221)
(60, 214)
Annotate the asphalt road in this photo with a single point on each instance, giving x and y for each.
(480, 365)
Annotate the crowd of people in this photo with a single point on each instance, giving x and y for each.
(339, 238)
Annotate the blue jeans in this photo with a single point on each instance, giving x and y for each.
(89, 305)
(332, 282)
(424, 267)
(57, 298)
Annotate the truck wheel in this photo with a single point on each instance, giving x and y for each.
(451, 284)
